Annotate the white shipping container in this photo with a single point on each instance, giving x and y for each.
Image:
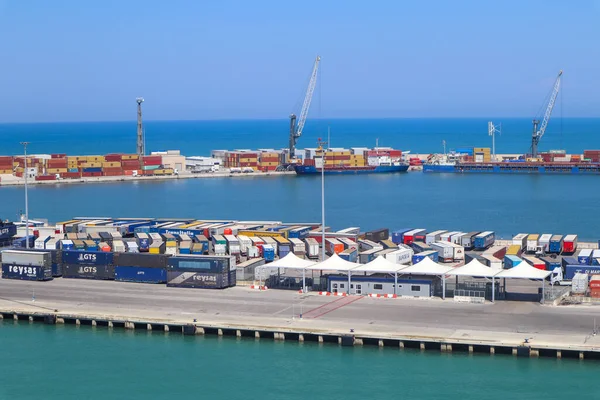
(253, 252)
(365, 244)
(520, 240)
(445, 237)
(492, 262)
(132, 247)
(272, 242)
(220, 250)
(456, 238)
(233, 245)
(445, 251)
(532, 243)
(119, 247)
(579, 284)
(433, 236)
(298, 246)
(545, 241)
(312, 248)
(400, 256)
(459, 251)
(53, 244)
(47, 231)
(245, 243)
(22, 257)
(40, 242)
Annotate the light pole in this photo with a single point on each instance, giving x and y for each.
(26, 198)
(321, 144)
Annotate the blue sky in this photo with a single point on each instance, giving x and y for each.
(73, 60)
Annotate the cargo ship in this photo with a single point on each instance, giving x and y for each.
(356, 160)
(553, 162)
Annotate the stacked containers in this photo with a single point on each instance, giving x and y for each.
(88, 264)
(26, 265)
(6, 165)
(141, 267)
(170, 244)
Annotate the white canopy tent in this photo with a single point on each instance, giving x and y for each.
(291, 261)
(428, 267)
(475, 268)
(338, 264)
(525, 271)
(382, 265)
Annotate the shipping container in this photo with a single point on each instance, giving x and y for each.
(270, 241)
(312, 248)
(434, 236)
(233, 245)
(78, 245)
(365, 244)
(420, 247)
(520, 240)
(444, 250)
(535, 262)
(87, 257)
(570, 244)
(83, 271)
(514, 250)
(40, 242)
(484, 240)
(7, 230)
(425, 254)
(245, 242)
(367, 256)
(27, 257)
(26, 272)
(556, 244)
(491, 261)
(551, 263)
(584, 256)
(398, 235)
(457, 238)
(283, 246)
(459, 251)
(140, 274)
(511, 261)
(205, 263)
(246, 271)
(378, 235)
(66, 244)
(387, 244)
(544, 242)
(157, 247)
(132, 246)
(333, 246)
(571, 270)
(409, 237)
(468, 240)
(351, 243)
(198, 280)
(53, 244)
(141, 260)
(579, 284)
(298, 247)
(532, 242)
(299, 233)
(496, 251)
(268, 252)
(401, 256)
(349, 254)
(445, 237)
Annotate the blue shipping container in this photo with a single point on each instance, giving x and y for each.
(556, 245)
(268, 253)
(584, 256)
(203, 264)
(56, 269)
(299, 233)
(7, 231)
(465, 150)
(140, 274)
(26, 272)
(484, 241)
(91, 247)
(144, 244)
(349, 255)
(421, 256)
(185, 251)
(570, 261)
(87, 257)
(571, 270)
(21, 242)
(551, 263)
(511, 261)
(595, 261)
(92, 169)
(174, 231)
(398, 235)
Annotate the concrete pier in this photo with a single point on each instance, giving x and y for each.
(367, 322)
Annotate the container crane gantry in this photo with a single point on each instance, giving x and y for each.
(296, 129)
(537, 134)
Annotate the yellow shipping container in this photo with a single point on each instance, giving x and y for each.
(269, 154)
(248, 160)
(481, 150)
(111, 164)
(268, 164)
(56, 170)
(171, 243)
(513, 250)
(91, 164)
(129, 157)
(6, 171)
(154, 250)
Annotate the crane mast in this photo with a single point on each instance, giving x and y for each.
(537, 134)
(296, 129)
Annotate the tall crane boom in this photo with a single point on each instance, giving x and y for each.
(296, 130)
(537, 134)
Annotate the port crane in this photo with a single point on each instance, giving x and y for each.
(538, 133)
(296, 128)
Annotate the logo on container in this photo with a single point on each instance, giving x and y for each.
(3, 231)
(21, 270)
(87, 257)
(205, 278)
(84, 270)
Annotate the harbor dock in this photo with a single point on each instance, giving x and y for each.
(512, 328)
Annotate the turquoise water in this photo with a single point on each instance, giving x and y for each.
(66, 362)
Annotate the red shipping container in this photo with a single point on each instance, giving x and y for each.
(148, 173)
(152, 160)
(595, 282)
(58, 155)
(269, 159)
(112, 169)
(395, 153)
(595, 293)
(19, 174)
(45, 178)
(6, 159)
(113, 157)
(70, 175)
(309, 162)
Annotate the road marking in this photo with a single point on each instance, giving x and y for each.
(331, 306)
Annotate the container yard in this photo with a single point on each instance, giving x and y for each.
(219, 254)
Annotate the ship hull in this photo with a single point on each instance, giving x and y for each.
(312, 170)
(515, 168)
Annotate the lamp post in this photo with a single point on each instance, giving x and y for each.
(24, 144)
